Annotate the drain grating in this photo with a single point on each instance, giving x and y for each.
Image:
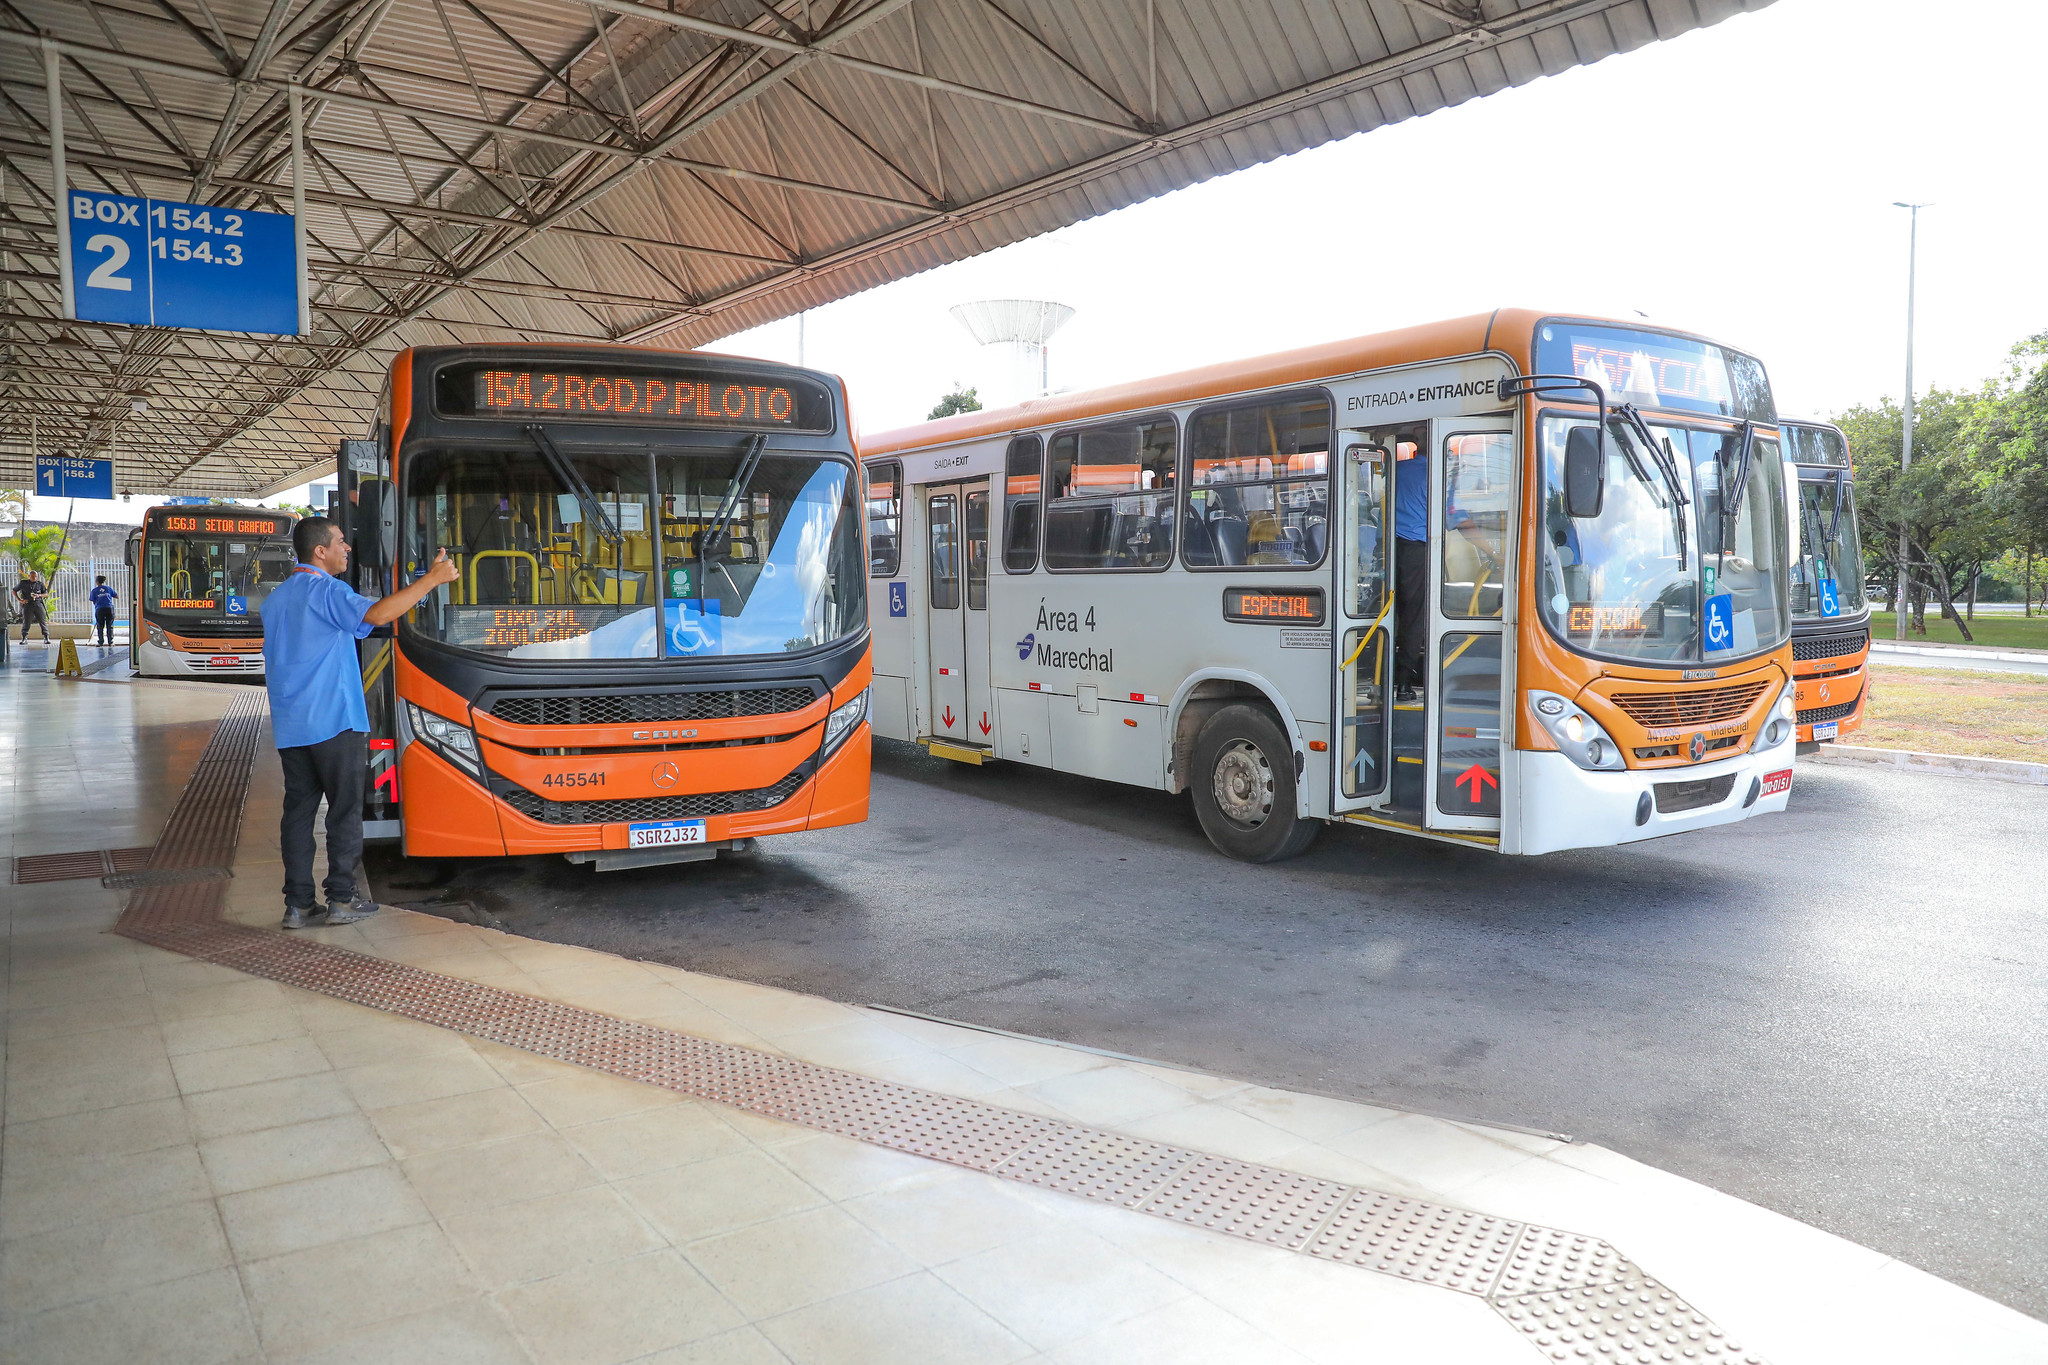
(93, 862)
(1572, 1297)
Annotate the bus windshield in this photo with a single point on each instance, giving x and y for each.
(1827, 578)
(1668, 572)
(639, 569)
(192, 577)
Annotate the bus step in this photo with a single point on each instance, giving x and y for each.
(959, 753)
(616, 859)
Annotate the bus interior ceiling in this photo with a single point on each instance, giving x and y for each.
(620, 171)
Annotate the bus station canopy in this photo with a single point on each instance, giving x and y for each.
(664, 172)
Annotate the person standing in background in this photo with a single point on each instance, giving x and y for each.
(1411, 567)
(30, 592)
(103, 612)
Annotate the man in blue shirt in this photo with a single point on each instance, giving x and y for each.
(102, 612)
(311, 623)
(1411, 565)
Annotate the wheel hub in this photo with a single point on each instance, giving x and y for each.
(1244, 784)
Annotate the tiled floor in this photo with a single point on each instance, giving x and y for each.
(201, 1166)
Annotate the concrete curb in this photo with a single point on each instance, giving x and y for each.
(2004, 656)
(1951, 765)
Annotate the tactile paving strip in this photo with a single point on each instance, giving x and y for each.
(1574, 1298)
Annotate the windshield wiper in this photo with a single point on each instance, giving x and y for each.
(1835, 523)
(1731, 498)
(727, 510)
(1667, 465)
(565, 473)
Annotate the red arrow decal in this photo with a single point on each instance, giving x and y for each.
(949, 718)
(389, 775)
(984, 722)
(1476, 775)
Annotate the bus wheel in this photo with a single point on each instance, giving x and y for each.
(1243, 782)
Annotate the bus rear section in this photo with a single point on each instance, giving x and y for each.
(1514, 582)
(198, 578)
(657, 647)
(1830, 611)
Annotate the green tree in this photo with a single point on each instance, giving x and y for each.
(2010, 433)
(13, 506)
(958, 401)
(1953, 527)
(40, 549)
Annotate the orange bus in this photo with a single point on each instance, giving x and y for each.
(197, 579)
(657, 648)
(1516, 581)
(1830, 612)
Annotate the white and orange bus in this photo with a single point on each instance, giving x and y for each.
(657, 647)
(198, 577)
(1830, 612)
(1191, 584)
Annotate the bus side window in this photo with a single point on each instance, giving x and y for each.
(1478, 475)
(1259, 484)
(885, 517)
(945, 556)
(1024, 475)
(1112, 497)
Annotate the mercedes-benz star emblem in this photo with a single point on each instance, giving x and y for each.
(666, 775)
(1699, 747)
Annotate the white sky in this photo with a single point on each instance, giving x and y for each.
(1736, 181)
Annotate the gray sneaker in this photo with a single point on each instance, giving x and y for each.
(310, 917)
(340, 913)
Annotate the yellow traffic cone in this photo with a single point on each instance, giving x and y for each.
(67, 660)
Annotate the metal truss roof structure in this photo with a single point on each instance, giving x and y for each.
(658, 171)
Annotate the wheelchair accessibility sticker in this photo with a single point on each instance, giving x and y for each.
(238, 606)
(899, 599)
(1720, 622)
(1830, 600)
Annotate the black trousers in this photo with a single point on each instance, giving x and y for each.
(336, 769)
(32, 615)
(103, 626)
(1411, 611)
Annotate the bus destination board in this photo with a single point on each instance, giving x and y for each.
(221, 526)
(1274, 606)
(696, 397)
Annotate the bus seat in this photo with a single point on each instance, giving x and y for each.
(1315, 538)
(1232, 537)
(1198, 544)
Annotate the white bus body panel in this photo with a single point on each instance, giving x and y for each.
(1564, 806)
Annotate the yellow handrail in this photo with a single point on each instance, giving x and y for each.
(1369, 631)
(480, 556)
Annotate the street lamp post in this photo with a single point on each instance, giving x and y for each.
(1906, 444)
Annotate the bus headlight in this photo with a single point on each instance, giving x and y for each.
(840, 723)
(155, 635)
(447, 738)
(1782, 725)
(1577, 735)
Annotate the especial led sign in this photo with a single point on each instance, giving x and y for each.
(1274, 606)
(635, 396)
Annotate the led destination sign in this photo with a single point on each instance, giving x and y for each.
(222, 526)
(639, 397)
(1284, 606)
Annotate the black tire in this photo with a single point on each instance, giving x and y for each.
(1243, 784)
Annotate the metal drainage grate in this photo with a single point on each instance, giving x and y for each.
(1571, 1296)
(64, 867)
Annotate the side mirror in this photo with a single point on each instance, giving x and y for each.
(1585, 472)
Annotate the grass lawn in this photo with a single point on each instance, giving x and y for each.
(1953, 711)
(2014, 632)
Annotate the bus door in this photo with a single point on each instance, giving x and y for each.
(1365, 642)
(1472, 479)
(956, 528)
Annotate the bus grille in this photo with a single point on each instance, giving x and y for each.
(1673, 797)
(1668, 710)
(1829, 646)
(616, 709)
(1821, 715)
(649, 807)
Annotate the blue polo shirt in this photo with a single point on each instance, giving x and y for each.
(1411, 497)
(311, 623)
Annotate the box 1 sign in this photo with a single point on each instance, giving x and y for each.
(151, 262)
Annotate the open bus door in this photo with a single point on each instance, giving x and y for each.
(956, 520)
(368, 518)
(1470, 691)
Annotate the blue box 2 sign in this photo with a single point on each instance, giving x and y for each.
(151, 262)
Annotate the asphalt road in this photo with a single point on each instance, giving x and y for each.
(1837, 1012)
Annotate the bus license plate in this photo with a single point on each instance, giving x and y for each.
(1828, 731)
(225, 661)
(664, 833)
(1776, 782)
